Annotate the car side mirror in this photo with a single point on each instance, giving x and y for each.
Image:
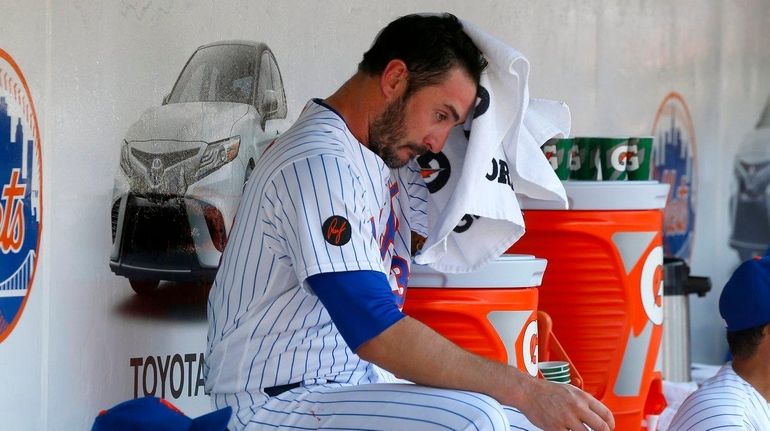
(269, 104)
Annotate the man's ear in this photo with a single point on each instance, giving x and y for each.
(394, 79)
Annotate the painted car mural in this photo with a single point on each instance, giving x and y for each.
(750, 194)
(183, 164)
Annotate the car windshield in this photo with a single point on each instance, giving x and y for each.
(219, 73)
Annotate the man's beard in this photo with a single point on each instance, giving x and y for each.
(387, 133)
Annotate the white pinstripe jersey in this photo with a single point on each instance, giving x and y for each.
(723, 402)
(266, 328)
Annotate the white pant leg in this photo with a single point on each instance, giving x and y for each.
(518, 421)
(384, 407)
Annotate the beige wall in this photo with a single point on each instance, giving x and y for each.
(93, 67)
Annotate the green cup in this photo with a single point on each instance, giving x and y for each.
(558, 375)
(551, 367)
(555, 371)
(639, 155)
(614, 158)
(558, 151)
(584, 156)
(574, 158)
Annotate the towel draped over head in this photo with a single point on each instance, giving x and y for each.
(473, 212)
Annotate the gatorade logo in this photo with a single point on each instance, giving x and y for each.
(651, 285)
(619, 157)
(550, 154)
(465, 223)
(574, 160)
(633, 158)
(21, 203)
(435, 170)
(529, 348)
(482, 105)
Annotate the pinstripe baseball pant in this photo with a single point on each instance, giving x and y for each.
(383, 406)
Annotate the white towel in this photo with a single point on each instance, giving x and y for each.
(475, 216)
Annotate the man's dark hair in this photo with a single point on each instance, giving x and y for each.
(744, 343)
(429, 45)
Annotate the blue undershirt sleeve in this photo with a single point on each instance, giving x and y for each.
(360, 303)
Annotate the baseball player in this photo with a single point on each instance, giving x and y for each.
(305, 322)
(738, 396)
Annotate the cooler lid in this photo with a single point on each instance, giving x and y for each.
(508, 271)
(606, 195)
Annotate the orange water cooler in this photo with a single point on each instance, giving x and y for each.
(491, 312)
(603, 289)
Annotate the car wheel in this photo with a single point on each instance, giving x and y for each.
(144, 287)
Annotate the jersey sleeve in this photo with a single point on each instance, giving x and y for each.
(360, 303)
(320, 210)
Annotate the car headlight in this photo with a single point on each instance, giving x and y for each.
(218, 154)
(125, 158)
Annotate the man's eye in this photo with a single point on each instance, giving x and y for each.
(440, 116)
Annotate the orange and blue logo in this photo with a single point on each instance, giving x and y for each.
(674, 163)
(21, 203)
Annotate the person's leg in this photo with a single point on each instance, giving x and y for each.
(384, 407)
(518, 421)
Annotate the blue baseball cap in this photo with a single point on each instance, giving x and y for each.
(745, 299)
(156, 414)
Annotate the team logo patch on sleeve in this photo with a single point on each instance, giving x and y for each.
(337, 230)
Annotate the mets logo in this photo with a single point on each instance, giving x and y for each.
(673, 162)
(21, 205)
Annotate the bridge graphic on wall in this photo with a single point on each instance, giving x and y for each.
(16, 284)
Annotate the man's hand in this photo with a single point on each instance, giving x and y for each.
(412, 351)
(552, 406)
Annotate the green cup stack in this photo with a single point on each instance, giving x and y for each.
(555, 371)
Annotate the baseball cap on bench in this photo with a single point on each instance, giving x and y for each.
(745, 299)
(156, 414)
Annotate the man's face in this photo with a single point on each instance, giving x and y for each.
(412, 126)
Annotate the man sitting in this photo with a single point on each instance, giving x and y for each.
(736, 398)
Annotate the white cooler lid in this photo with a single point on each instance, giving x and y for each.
(606, 195)
(508, 271)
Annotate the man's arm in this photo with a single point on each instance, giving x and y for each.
(413, 351)
(362, 307)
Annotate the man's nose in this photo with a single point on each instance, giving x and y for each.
(436, 141)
